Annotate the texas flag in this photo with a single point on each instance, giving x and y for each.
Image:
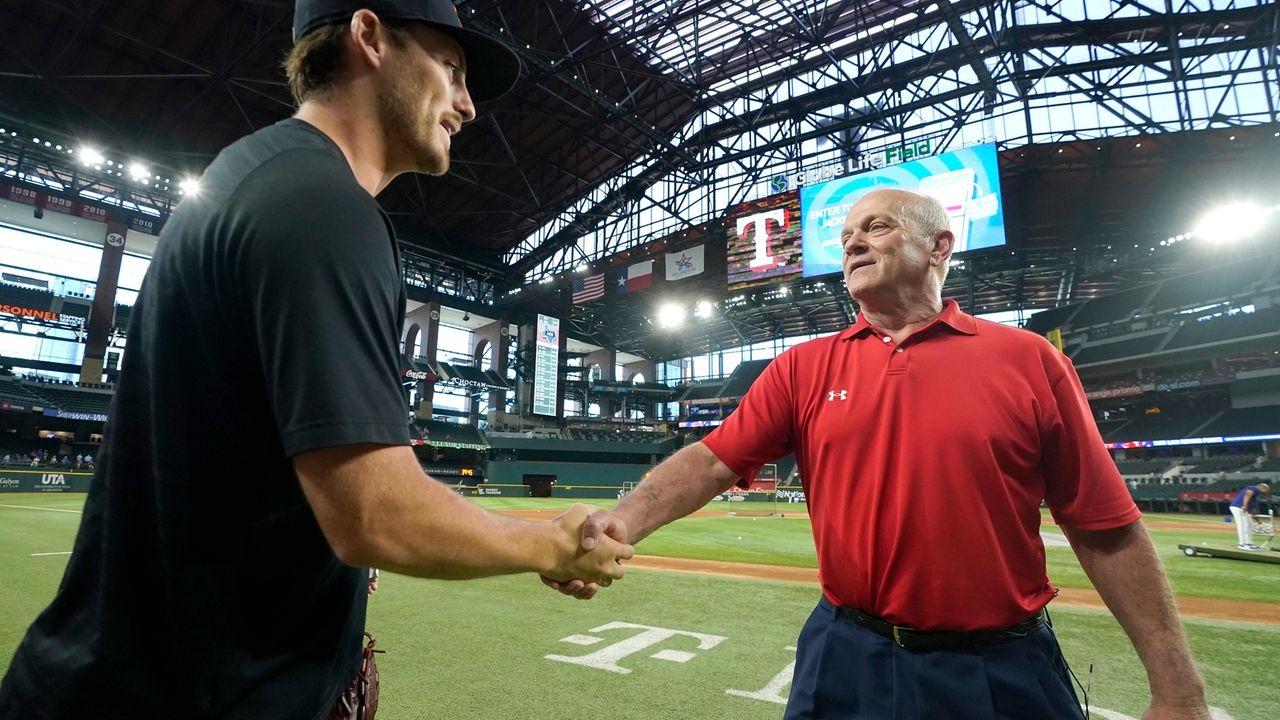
(640, 276)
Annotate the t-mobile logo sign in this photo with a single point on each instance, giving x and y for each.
(606, 658)
(762, 260)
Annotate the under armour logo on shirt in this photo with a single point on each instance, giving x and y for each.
(833, 394)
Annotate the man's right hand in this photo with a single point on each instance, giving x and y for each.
(597, 562)
(601, 527)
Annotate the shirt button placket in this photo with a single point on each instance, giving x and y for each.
(897, 358)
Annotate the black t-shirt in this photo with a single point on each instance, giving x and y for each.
(200, 585)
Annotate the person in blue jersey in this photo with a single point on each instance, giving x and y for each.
(1243, 507)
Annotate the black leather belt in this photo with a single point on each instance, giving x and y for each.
(921, 640)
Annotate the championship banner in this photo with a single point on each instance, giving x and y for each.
(58, 204)
(66, 206)
(26, 196)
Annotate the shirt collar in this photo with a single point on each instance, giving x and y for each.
(951, 316)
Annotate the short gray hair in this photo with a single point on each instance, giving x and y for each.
(923, 217)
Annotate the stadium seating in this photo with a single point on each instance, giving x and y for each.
(1142, 467)
(1046, 320)
(1154, 492)
(743, 376)
(1222, 486)
(1159, 427)
(1208, 285)
(1244, 421)
(13, 392)
(1200, 332)
(1205, 287)
(1130, 347)
(71, 398)
(1108, 427)
(25, 297)
(1119, 306)
(447, 434)
(702, 391)
(1223, 463)
(607, 435)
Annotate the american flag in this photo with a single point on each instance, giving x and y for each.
(588, 288)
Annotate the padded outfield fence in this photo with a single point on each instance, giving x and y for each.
(44, 480)
(587, 492)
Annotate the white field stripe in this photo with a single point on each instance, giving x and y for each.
(66, 552)
(27, 507)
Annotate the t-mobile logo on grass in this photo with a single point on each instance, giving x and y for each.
(762, 260)
(606, 658)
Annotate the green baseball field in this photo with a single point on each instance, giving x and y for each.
(712, 638)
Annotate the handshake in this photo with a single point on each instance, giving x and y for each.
(589, 553)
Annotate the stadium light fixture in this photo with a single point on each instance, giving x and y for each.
(670, 316)
(1231, 222)
(582, 267)
(189, 186)
(138, 171)
(90, 156)
(703, 309)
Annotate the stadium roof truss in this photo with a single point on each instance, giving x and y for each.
(636, 119)
(771, 87)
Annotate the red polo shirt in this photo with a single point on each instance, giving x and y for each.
(925, 462)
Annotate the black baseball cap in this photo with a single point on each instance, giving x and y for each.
(492, 67)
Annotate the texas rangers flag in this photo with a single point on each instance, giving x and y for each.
(685, 263)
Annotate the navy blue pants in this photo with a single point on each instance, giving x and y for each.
(846, 671)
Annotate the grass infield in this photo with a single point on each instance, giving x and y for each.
(478, 649)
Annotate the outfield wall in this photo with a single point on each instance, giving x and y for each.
(612, 475)
(44, 480)
(568, 492)
(572, 479)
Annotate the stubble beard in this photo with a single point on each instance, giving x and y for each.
(406, 127)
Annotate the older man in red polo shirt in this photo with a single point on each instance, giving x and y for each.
(926, 440)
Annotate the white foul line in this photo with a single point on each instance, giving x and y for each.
(68, 552)
(28, 507)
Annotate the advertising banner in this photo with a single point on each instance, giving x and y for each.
(966, 182)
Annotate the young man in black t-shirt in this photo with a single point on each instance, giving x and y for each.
(268, 327)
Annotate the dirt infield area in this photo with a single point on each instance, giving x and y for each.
(1210, 608)
(802, 515)
(548, 514)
